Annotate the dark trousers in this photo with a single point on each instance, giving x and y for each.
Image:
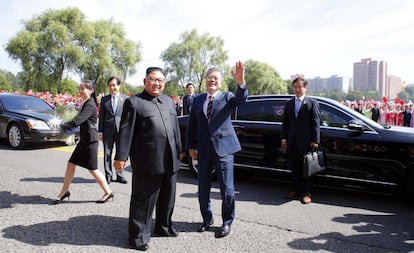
(148, 191)
(295, 164)
(225, 173)
(108, 144)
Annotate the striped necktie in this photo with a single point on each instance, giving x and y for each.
(209, 106)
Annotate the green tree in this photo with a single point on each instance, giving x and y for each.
(354, 95)
(11, 79)
(289, 86)
(372, 95)
(4, 83)
(48, 44)
(107, 52)
(335, 95)
(61, 41)
(189, 59)
(261, 78)
(410, 91)
(69, 86)
(403, 95)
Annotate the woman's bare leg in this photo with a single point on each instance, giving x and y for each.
(100, 179)
(69, 174)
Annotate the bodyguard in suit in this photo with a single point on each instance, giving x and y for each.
(150, 136)
(212, 140)
(188, 98)
(300, 133)
(109, 118)
(406, 116)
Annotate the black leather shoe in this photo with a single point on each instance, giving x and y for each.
(205, 227)
(108, 179)
(140, 248)
(223, 231)
(121, 180)
(171, 233)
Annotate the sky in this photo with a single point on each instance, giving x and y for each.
(313, 38)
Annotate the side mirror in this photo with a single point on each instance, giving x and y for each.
(356, 125)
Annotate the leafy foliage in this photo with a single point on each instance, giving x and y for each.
(63, 41)
(261, 79)
(189, 59)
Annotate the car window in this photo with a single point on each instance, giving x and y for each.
(332, 117)
(265, 110)
(12, 103)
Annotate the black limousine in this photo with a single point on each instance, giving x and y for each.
(359, 152)
(27, 119)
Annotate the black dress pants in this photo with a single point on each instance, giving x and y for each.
(150, 191)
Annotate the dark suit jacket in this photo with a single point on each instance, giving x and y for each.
(107, 118)
(218, 129)
(86, 119)
(144, 134)
(187, 103)
(406, 117)
(305, 128)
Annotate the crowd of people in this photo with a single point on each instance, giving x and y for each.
(392, 113)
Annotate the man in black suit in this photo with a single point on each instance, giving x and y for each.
(300, 133)
(150, 135)
(110, 112)
(188, 99)
(406, 116)
(375, 113)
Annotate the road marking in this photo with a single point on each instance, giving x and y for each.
(70, 149)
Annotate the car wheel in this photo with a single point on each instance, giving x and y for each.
(193, 165)
(15, 137)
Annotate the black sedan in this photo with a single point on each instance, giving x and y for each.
(359, 152)
(26, 119)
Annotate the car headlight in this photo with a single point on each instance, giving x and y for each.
(37, 124)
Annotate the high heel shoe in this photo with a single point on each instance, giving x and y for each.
(110, 196)
(60, 200)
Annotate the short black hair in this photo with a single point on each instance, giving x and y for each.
(118, 80)
(188, 84)
(152, 69)
(297, 79)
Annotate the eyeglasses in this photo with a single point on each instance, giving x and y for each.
(154, 80)
(213, 78)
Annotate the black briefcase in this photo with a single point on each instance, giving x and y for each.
(313, 163)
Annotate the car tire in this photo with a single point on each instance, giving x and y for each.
(193, 165)
(15, 136)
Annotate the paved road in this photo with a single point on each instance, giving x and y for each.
(337, 221)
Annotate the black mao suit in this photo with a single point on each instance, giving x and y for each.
(149, 134)
(299, 132)
(108, 120)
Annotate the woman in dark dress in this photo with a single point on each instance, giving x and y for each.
(86, 151)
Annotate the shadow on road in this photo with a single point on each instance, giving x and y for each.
(81, 231)
(8, 200)
(394, 232)
(77, 180)
(247, 188)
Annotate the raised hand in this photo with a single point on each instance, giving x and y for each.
(238, 73)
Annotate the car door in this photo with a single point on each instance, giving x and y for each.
(258, 125)
(3, 122)
(360, 154)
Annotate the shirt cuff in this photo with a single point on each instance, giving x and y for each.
(242, 86)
